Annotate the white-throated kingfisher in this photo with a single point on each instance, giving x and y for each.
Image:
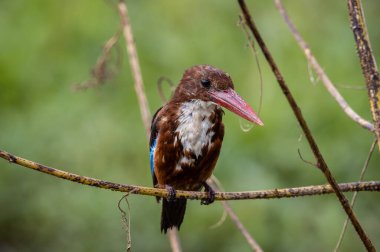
(187, 134)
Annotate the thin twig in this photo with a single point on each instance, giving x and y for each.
(305, 128)
(135, 66)
(264, 194)
(219, 187)
(221, 221)
(251, 44)
(126, 220)
(160, 81)
(305, 161)
(367, 60)
(251, 242)
(321, 73)
(364, 169)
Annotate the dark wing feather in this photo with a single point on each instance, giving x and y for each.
(152, 143)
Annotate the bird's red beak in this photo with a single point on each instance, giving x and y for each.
(230, 100)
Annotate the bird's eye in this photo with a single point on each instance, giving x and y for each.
(206, 83)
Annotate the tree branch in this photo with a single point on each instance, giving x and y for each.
(320, 72)
(367, 61)
(135, 66)
(263, 194)
(305, 128)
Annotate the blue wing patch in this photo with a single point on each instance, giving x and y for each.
(151, 156)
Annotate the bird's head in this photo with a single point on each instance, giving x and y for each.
(207, 83)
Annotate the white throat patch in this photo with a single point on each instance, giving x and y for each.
(194, 124)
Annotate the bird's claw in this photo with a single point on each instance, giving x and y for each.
(171, 193)
(211, 195)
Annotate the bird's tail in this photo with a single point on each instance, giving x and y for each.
(172, 213)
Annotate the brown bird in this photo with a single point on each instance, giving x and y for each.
(187, 134)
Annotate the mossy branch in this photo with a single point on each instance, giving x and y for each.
(262, 194)
(367, 60)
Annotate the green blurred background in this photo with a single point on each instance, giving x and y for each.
(47, 46)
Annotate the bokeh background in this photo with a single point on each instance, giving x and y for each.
(47, 46)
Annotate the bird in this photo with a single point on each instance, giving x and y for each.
(187, 134)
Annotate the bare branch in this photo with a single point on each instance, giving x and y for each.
(320, 72)
(305, 128)
(264, 194)
(135, 67)
(367, 61)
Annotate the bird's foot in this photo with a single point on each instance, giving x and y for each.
(171, 193)
(211, 195)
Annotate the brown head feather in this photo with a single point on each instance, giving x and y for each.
(198, 80)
